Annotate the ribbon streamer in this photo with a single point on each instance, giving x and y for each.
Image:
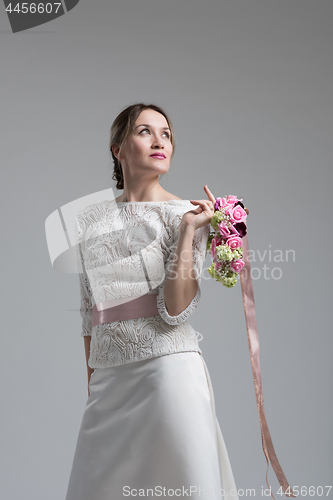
(252, 333)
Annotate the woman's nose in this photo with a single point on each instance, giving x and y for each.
(158, 142)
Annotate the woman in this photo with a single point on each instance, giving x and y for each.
(149, 428)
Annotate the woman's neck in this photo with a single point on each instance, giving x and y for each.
(152, 195)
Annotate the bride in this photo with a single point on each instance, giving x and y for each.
(149, 428)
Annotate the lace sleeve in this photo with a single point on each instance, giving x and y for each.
(198, 254)
(84, 287)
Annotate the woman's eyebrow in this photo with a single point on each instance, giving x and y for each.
(146, 125)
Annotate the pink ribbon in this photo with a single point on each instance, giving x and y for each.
(141, 307)
(252, 333)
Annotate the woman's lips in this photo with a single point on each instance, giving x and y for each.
(160, 157)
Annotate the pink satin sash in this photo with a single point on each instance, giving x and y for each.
(252, 332)
(141, 307)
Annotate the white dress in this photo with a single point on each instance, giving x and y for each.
(149, 428)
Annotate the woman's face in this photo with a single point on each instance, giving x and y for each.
(150, 135)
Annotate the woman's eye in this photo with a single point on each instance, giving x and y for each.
(167, 133)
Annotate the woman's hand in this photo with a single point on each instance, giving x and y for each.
(202, 215)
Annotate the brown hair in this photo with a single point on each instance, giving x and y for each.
(121, 128)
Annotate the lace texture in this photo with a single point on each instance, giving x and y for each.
(126, 249)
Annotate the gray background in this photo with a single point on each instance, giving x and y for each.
(248, 86)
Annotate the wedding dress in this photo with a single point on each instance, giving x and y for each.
(149, 428)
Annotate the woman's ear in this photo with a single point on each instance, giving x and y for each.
(115, 150)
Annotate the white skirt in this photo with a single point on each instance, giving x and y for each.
(150, 430)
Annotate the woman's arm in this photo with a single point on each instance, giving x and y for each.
(181, 285)
(87, 339)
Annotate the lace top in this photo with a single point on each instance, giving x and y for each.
(124, 250)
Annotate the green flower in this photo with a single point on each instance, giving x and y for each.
(224, 252)
(230, 282)
(217, 217)
(238, 253)
(212, 271)
(227, 277)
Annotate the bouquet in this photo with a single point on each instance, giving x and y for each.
(225, 242)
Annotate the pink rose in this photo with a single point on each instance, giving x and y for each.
(237, 214)
(231, 199)
(213, 248)
(220, 203)
(237, 265)
(234, 231)
(234, 242)
(224, 230)
(215, 242)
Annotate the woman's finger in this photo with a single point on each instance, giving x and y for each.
(209, 194)
(200, 202)
(203, 202)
